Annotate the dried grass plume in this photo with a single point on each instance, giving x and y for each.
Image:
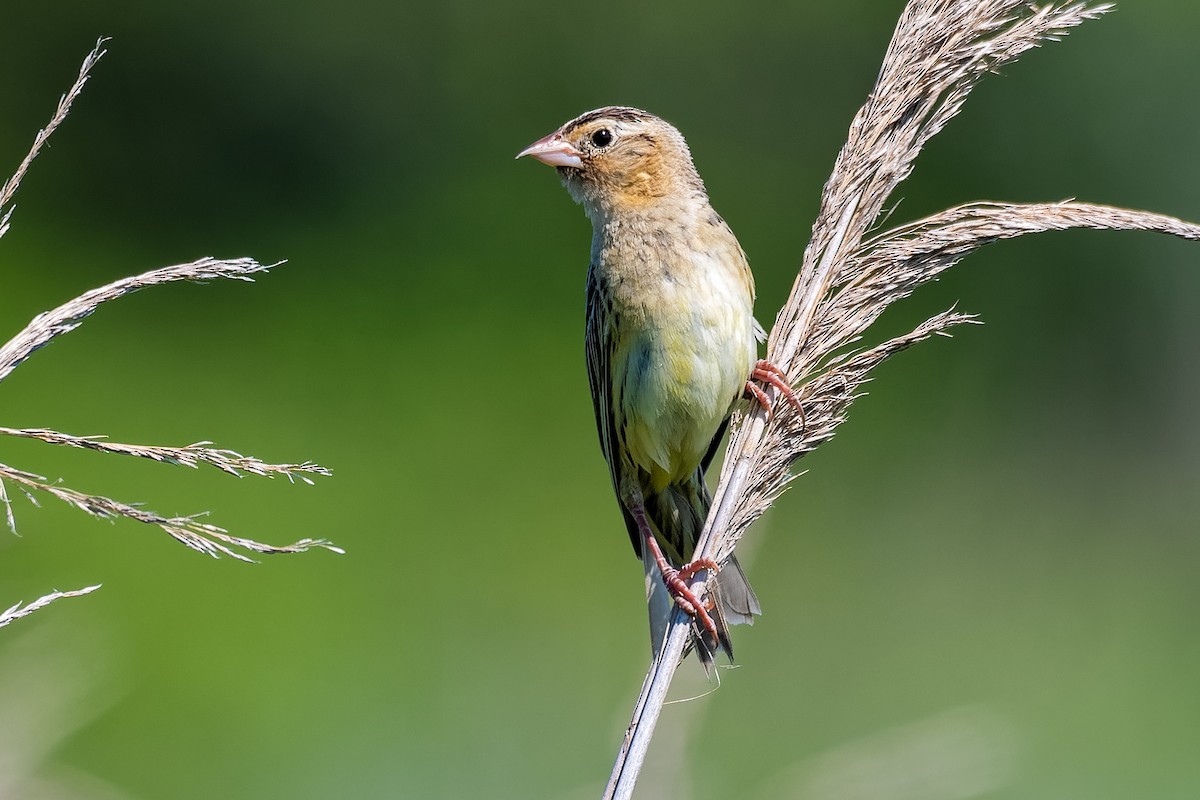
(45, 327)
(849, 275)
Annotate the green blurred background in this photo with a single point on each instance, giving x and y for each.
(985, 586)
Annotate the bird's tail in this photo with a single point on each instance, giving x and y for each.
(678, 515)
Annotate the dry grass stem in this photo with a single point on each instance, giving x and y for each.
(9, 518)
(197, 535)
(849, 276)
(64, 105)
(17, 611)
(191, 455)
(67, 317)
(45, 327)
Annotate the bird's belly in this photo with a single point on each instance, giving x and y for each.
(683, 370)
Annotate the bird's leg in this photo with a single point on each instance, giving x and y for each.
(766, 372)
(676, 580)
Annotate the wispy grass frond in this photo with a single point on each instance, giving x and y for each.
(197, 535)
(191, 455)
(45, 327)
(938, 53)
(17, 611)
(64, 105)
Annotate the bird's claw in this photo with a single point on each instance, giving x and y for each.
(766, 372)
(677, 580)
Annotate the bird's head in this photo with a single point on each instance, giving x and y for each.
(617, 158)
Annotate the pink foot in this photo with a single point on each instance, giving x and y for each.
(677, 580)
(766, 372)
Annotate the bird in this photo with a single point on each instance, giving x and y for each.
(671, 345)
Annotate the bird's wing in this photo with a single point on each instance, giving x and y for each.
(732, 250)
(760, 333)
(600, 344)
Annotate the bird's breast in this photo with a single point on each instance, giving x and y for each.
(683, 349)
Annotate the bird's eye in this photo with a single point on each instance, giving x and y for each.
(602, 137)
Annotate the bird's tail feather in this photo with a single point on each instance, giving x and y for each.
(739, 601)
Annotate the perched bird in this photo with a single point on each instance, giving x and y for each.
(671, 343)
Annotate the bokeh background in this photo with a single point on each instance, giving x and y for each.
(986, 586)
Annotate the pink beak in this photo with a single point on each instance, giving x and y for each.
(555, 151)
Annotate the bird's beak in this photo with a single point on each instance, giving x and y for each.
(555, 151)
